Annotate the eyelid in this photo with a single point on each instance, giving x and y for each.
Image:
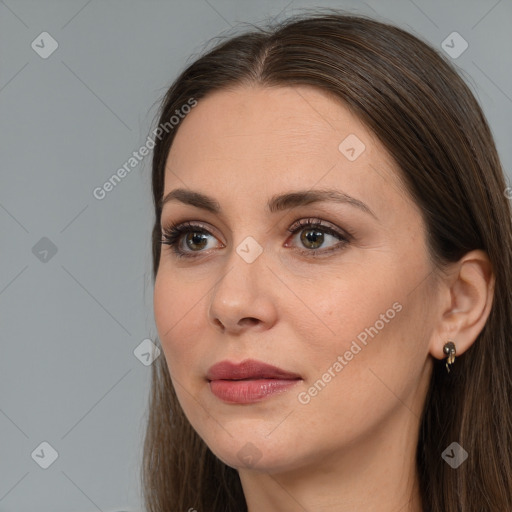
(197, 224)
(323, 224)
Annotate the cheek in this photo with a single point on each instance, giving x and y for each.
(162, 297)
(353, 386)
(363, 324)
(176, 309)
(384, 350)
(165, 309)
(342, 308)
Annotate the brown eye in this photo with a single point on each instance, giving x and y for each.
(196, 238)
(194, 235)
(312, 238)
(313, 233)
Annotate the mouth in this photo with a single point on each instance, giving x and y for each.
(249, 381)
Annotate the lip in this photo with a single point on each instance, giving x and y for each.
(248, 381)
(248, 369)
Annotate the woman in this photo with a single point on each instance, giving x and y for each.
(332, 265)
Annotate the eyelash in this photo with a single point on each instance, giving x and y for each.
(171, 235)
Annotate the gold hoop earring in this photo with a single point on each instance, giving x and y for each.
(449, 350)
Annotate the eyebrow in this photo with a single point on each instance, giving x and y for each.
(276, 203)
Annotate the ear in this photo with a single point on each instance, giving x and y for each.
(467, 291)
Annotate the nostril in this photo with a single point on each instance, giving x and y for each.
(249, 321)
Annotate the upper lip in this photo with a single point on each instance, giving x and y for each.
(248, 369)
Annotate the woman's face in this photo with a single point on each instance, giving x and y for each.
(343, 306)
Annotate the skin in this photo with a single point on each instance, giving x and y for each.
(352, 446)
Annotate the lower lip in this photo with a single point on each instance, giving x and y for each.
(248, 391)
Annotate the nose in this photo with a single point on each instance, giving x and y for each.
(244, 296)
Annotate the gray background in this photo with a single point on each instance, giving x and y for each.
(70, 321)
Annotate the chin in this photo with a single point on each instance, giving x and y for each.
(246, 451)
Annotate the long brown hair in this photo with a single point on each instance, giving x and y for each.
(429, 121)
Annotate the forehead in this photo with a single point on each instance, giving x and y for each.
(261, 139)
(253, 121)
